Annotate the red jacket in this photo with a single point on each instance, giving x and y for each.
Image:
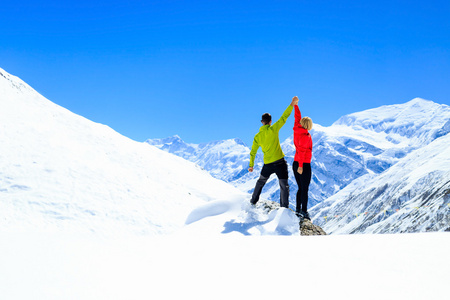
(302, 141)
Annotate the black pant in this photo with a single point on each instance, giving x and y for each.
(278, 167)
(303, 181)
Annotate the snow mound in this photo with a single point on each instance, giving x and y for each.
(240, 217)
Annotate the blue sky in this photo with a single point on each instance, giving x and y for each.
(208, 70)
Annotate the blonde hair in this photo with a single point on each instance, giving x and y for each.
(306, 123)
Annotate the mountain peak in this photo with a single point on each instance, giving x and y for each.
(175, 138)
(415, 113)
(8, 81)
(419, 100)
(168, 141)
(420, 103)
(239, 142)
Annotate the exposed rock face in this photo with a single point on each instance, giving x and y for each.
(308, 228)
(267, 205)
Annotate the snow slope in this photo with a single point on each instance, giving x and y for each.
(411, 196)
(60, 171)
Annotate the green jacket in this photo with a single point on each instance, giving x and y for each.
(267, 139)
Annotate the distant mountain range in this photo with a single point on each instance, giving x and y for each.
(355, 152)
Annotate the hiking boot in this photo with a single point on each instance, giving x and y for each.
(303, 215)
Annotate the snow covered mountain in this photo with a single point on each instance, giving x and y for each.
(60, 171)
(367, 142)
(411, 196)
(226, 160)
(371, 141)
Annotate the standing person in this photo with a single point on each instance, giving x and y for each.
(274, 162)
(302, 161)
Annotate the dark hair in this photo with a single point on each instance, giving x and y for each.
(266, 118)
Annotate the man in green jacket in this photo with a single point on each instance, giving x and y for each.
(274, 162)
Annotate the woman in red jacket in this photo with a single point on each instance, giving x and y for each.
(302, 161)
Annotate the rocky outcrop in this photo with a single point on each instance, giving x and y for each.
(308, 228)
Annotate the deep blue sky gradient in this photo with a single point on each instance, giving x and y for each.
(207, 70)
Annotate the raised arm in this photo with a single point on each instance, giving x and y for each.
(298, 115)
(286, 114)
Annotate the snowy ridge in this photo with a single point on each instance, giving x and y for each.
(60, 171)
(226, 160)
(404, 121)
(14, 83)
(411, 196)
(372, 141)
